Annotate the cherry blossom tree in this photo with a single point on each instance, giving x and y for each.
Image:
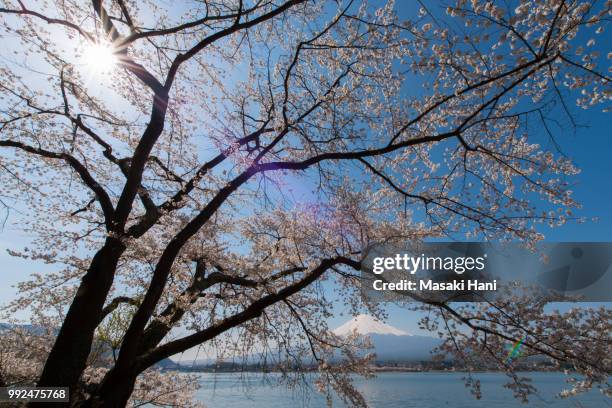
(214, 166)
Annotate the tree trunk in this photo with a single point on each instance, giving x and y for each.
(68, 356)
(115, 390)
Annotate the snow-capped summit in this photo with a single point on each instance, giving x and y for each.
(365, 324)
(390, 344)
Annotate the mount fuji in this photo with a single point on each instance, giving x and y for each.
(364, 325)
(390, 343)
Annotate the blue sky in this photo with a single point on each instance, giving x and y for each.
(590, 146)
(591, 149)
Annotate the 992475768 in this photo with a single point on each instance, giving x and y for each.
(49, 394)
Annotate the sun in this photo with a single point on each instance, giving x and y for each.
(99, 57)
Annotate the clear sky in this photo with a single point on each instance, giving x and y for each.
(591, 149)
(590, 146)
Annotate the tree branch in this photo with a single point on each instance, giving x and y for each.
(114, 304)
(101, 194)
(252, 311)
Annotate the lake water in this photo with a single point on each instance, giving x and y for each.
(392, 390)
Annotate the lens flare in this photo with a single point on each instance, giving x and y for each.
(514, 350)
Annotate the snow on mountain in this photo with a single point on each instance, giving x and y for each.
(389, 343)
(366, 325)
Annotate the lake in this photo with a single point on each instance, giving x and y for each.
(392, 390)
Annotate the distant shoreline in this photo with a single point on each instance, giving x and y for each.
(376, 369)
